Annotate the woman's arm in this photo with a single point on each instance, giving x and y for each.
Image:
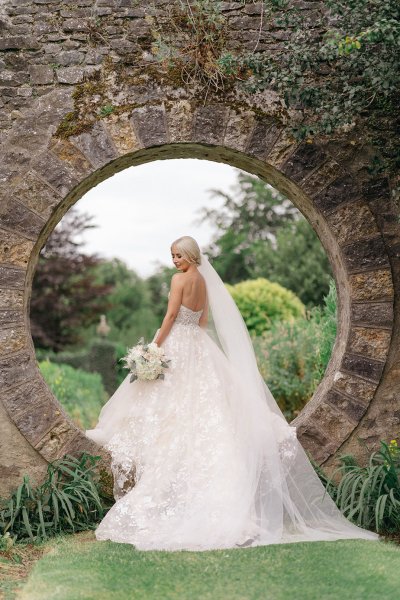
(204, 316)
(174, 302)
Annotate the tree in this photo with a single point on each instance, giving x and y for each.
(252, 215)
(130, 313)
(298, 262)
(65, 295)
(260, 233)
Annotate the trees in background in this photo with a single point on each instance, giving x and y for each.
(259, 233)
(66, 298)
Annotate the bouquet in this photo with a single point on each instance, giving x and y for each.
(146, 362)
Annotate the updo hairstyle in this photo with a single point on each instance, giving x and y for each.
(188, 248)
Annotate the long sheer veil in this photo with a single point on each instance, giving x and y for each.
(286, 495)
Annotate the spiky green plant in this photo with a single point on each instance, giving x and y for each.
(370, 495)
(67, 501)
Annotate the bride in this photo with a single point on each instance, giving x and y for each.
(204, 459)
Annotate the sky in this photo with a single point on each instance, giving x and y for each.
(141, 210)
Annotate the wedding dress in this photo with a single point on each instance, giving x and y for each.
(204, 459)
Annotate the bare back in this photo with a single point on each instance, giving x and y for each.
(194, 291)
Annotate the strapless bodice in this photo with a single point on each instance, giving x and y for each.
(187, 316)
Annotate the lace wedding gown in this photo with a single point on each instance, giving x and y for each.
(204, 459)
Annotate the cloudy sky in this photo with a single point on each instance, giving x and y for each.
(142, 209)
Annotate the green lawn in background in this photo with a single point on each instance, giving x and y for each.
(79, 568)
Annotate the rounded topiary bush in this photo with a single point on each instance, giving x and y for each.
(262, 303)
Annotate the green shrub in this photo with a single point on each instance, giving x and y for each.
(369, 496)
(67, 501)
(292, 356)
(81, 394)
(262, 303)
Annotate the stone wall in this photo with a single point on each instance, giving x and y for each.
(81, 98)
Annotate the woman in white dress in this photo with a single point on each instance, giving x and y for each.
(213, 461)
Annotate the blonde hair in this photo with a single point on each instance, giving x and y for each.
(189, 248)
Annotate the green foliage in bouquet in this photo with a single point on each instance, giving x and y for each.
(292, 356)
(262, 303)
(67, 501)
(81, 394)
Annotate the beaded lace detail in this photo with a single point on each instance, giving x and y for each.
(187, 316)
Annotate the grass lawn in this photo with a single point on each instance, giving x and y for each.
(79, 567)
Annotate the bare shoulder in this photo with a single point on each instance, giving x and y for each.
(177, 279)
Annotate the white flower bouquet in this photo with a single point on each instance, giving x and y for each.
(146, 362)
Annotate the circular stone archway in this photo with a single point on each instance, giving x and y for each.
(45, 170)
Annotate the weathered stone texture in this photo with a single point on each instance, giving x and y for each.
(369, 342)
(12, 340)
(14, 249)
(372, 313)
(149, 124)
(355, 387)
(373, 285)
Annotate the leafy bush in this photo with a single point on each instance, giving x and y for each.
(67, 501)
(80, 393)
(262, 303)
(292, 356)
(370, 496)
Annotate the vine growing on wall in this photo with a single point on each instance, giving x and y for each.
(339, 67)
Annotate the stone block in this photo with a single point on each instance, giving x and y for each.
(55, 173)
(180, 121)
(14, 249)
(343, 189)
(16, 369)
(70, 155)
(284, 146)
(263, 137)
(371, 285)
(362, 366)
(372, 313)
(369, 341)
(336, 424)
(376, 189)
(11, 298)
(11, 317)
(41, 74)
(12, 339)
(120, 131)
(74, 25)
(351, 222)
(12, 78)
(70, 58)
(318, 179)
(70, 75)
(149, 124)
(305, 159)
(12, 278)
(96, 145)
(315, 441)
(238, 129)
(366, 254)
(36, 195)
(350, 385)
(17, 217)
(349, 407)
(21, 42)
(209, 124)
(52, 444)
